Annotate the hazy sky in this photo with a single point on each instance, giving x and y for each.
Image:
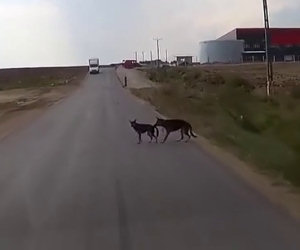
(68, 32)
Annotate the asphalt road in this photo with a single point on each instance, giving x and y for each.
(76, 179)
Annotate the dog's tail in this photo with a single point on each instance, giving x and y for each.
(191, 132)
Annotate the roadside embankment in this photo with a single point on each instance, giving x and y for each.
(25, 92)
(258, 137)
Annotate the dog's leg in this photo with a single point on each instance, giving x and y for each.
(150, 136)
(186, 131)
(157, 133)
(166, 137)
(181, 131)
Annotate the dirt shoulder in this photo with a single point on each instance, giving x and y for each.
(233, 142)
(135, 78)
(276, 190)
(26, 93)
(19, 107)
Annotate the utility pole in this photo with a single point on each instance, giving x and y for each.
(267, 46)
(166, 55)
(143, 53)
(136, 56)
(157, 46)
(151, 58)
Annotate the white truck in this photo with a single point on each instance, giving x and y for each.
(94, 66)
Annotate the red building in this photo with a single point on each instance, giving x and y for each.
(284, 43)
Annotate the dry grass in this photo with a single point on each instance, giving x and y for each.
(223, 105)
(31, 88)
(40, 77)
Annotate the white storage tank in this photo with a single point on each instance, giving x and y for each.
(221, 51)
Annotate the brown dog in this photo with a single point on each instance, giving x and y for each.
(174, 125)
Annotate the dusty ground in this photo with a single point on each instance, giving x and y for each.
(40, 77)
(26, 92)
(286, 75)
(135, 78)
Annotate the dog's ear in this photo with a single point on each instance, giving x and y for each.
(134, 121)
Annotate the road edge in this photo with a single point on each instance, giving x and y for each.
(280, 193)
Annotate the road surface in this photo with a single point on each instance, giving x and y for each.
(76, 179)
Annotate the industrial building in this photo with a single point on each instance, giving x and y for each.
(248, 45)
(217, 51)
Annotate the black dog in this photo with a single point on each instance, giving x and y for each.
(151, 130)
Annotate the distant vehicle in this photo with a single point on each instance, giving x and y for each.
(130, 64)
(94, 67)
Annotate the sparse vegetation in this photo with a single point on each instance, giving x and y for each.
(40, 77)
(30, 88)
(231, 110)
